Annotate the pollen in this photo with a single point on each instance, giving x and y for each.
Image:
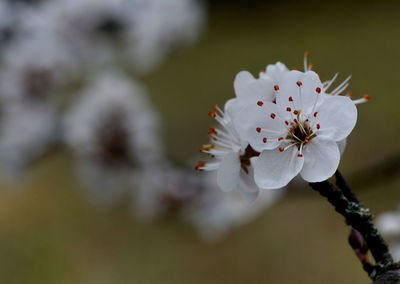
(265, 139)
(260, 103)
(296, 112)
(299, 83)
(273, 115)
(286, 122)
(276, 87)
(318, 90)
(258, 129)
(299, 155)
(280, 138)
(367, 97)
(281, 149)
(290, 99)
(318, 126)
(306, 54)
(315, 114)
(288, 109)
(215, 106)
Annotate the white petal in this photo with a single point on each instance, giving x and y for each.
(276, 71)
(250, 90)
(247, 187)
(342, 146)
(337, 117)
(252, 117)
(321, 160)
(228, 172)
(274, 169)
(304, 96)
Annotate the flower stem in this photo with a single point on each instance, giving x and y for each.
(346, 203)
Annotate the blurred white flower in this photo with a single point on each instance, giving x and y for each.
(231, 157)
(26, 132)
(112, 130)
(298, 133)
(389, 224)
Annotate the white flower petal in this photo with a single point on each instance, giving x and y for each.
(342, 146)
(321, 159)
(247, 186)
(304, 96)
(250, 90)
(275, 169)
(228, 172)
(276, 71)
(337, 117)
(252, 117)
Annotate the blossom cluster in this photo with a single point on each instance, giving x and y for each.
(281, 124)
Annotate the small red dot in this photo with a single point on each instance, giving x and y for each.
(258, 129)
(273, 115)
(265, 139)
(318, 90)
(276, 87)
(299, 83)
(260, 103)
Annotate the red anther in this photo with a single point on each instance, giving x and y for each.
(212, 130)
(258, 129)
(315, 114)
(295, 120)
(296, 112)
(286, 122)
(295, 68)
(265, 139)
(276, 87)
(215, 106)
(201, 149)
(367, 97)
(318, 126)
(307, 138)
(280, 138)
(318, 90)
(291, 130)
(319, 75)
(260, 103)
(288, 109)
(290, 99)
(311, 65)
(350, 94)
(208, 139)
(273, 115)
(281, 149)
(212, 114)
(199, 165)
(299, 155)
(306, 54)
(299, 83)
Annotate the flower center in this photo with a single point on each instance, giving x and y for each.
(249, 152)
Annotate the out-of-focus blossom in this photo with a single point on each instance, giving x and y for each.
(389, 224)
(26, 132)
(112, 130)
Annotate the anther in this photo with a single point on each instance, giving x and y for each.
(367, 97)
(212, 113)
(295, 68)
(286, 122)
(265, 139)
(318, 90)
(276, 87)
(199, 165)
(306, 54)
(296, 112)
(299, 83)
(260, 103)
(311, 65)
(315, 114)
(318, 126)
(273, 115)
(212, 130)
(350, 94)
(307, 138)
(258, 129)
(215, 106)
(281, 149)
(290, 99)
(280, 138)
(299, 155)
(288, 109)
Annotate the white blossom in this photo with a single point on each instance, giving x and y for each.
(389, 224)
(298, 133)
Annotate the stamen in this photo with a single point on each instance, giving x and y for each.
(290, 99)
(301, 150)
(307, 138)
(367, 97)
(280, 138)
(288, 109)
(212, 130)
(212, 113)
(273, 115)
(276, 87)
(315, 114)
(318, 126)
(299, 83)
(265, 139)
(331, 81)
(318, 90)
(260, 103)
(350, 94)
(296, 112)
(258, 129)
(199, 165)
(281, 149)
(286, 122)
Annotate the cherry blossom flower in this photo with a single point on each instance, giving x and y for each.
(298, 133)
(389, 224)
(231, 158)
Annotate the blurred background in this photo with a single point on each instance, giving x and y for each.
(103, 106)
